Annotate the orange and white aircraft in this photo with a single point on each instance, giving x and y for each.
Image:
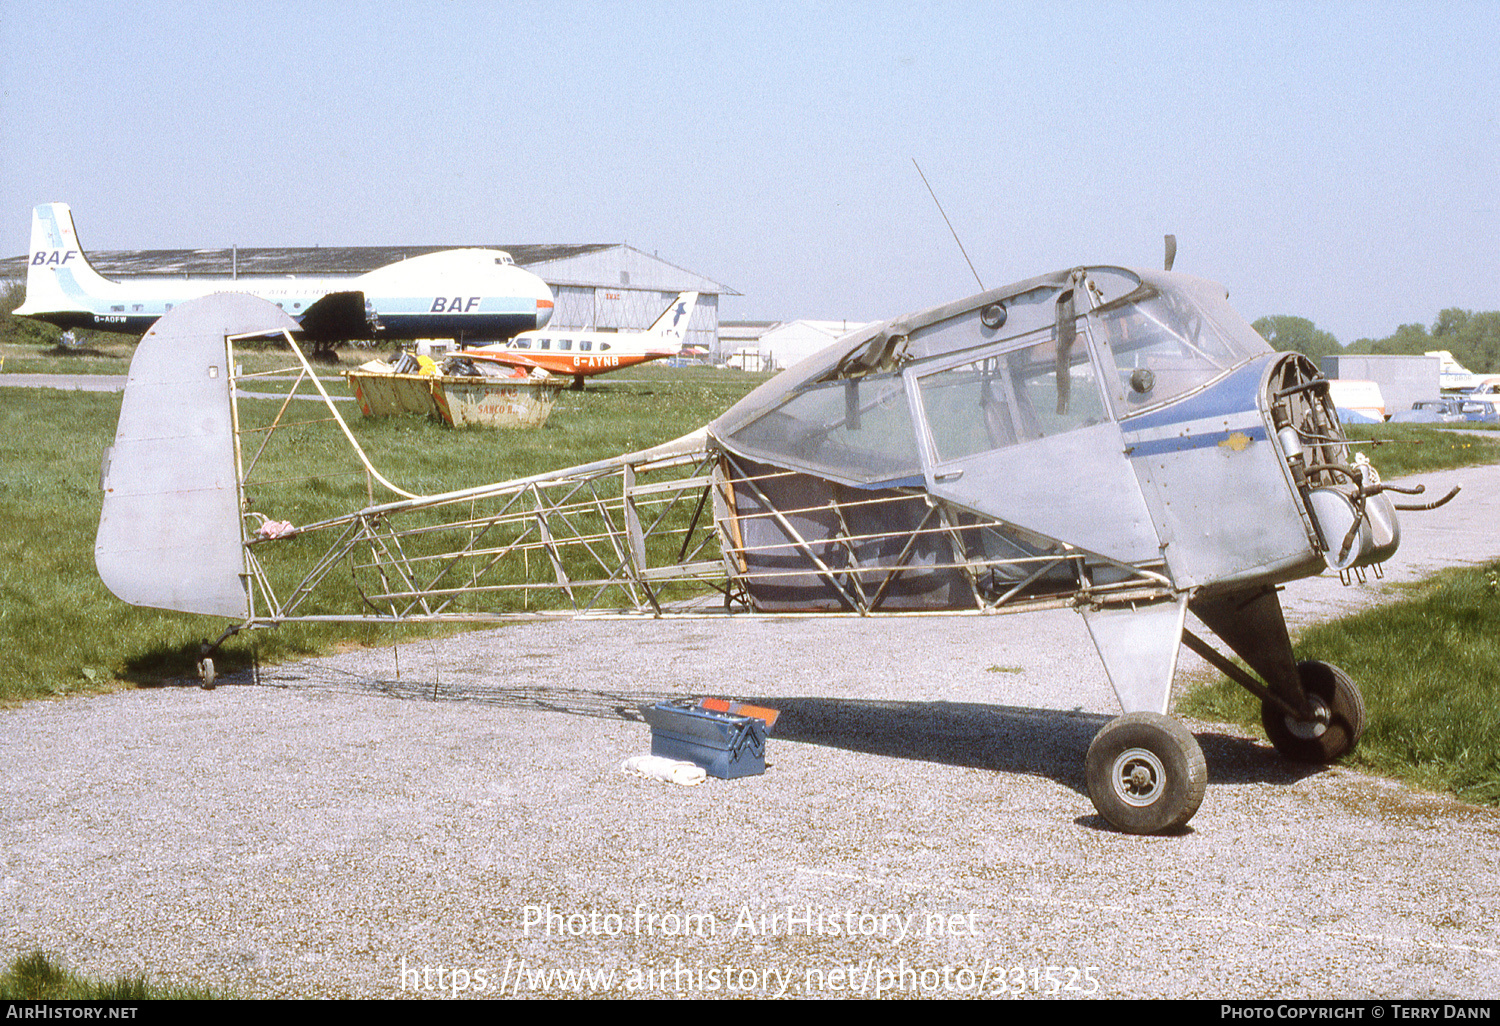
(582, 354)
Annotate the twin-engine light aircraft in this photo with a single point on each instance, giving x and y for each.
(583, 354)
(475, 295)
(1114, 440)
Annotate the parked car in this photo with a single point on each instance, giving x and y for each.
(1446, 411)
(1479, 410)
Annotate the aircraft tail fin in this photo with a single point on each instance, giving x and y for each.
(170, 531)
(59, 277)
(673, 323)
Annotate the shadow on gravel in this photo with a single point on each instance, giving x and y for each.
(1005, 739)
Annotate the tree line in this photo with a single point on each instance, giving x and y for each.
(1473, 338)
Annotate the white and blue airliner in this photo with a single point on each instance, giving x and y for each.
(472, 295)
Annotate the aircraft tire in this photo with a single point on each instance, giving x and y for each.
(1146, 773)
(1337, 729)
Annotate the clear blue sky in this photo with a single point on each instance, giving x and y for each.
(1336, 161)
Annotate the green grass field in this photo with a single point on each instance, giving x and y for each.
(1398, 450)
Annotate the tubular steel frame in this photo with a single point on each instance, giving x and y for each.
(614, 538)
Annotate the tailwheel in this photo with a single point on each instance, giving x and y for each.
(1146, 773)
(1337, 722)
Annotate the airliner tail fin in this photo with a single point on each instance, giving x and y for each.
(673, 324)
(59, 278)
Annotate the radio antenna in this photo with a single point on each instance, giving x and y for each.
(949, 223)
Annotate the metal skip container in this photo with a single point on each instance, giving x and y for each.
(497, 402)
(459, 400)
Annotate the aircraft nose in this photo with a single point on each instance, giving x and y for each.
(543, 311)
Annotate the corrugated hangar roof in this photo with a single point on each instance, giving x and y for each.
(321, 260)
(594, 264)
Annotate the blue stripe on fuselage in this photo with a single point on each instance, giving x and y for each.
(1203, 419)
(467, 326)
(1192, 440)
(398, 327)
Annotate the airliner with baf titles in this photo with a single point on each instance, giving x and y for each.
(473, 295)
(583, 354)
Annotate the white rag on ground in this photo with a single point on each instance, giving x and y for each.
(671, 770)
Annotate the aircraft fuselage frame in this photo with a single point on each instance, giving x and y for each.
(1116, 441)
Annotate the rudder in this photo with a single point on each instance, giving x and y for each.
(673, 323)
(170, 531)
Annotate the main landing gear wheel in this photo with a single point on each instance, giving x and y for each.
(1337, 723)
(1146, 773)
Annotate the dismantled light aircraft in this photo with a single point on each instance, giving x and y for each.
(585, 353)
(1117, 441)
(475, 295)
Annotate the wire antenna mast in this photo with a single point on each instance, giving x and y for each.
(949, 223)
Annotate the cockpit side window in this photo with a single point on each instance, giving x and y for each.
(1011, 397)
(1163, 346)
(856, 430)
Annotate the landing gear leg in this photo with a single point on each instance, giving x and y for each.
(206, 652)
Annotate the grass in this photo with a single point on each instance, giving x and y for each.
(63, 633)
(1398, 450)
(110, 354)
(36, 977)
(1429, 669)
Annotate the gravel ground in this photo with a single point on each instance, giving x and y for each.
(451, 817)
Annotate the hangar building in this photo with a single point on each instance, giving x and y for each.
(776, 345)
(598, 286)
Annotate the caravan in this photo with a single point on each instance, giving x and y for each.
(1486, 391)
(1357, 401)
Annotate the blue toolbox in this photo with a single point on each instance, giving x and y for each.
(725, 743)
